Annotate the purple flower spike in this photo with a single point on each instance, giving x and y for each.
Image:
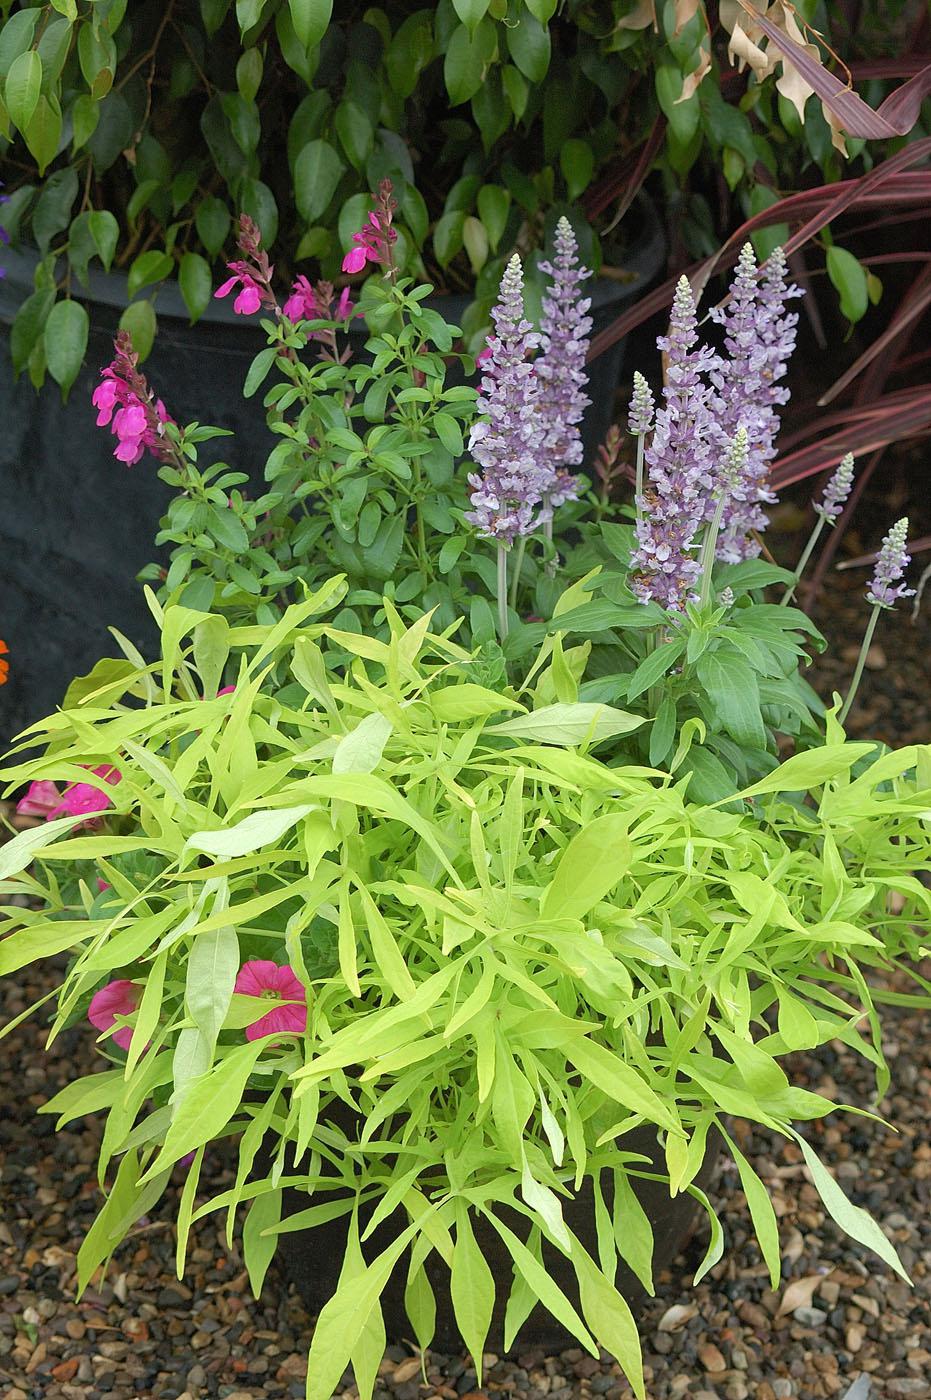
(885, 588)
(560, 368)
(759, 336)
(507, 444)
(640, 416)
(681, 459)
(837, 490)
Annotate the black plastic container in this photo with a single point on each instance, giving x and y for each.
(76, 526)
(312, 1259)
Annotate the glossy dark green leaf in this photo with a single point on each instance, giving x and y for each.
(65, 335)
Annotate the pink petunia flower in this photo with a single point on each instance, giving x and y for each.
(119, 998)
(274, 983)
(85, 799)
(40, 801)
(249, 299)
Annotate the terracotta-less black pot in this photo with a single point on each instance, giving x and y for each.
(76, 526)
(312, 1259)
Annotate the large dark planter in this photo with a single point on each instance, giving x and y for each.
(312, 1259)
(76, 526)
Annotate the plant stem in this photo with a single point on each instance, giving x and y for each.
(550, 565)
(638, 484)
(800, 567)
(518, 564)
(861, 661)
(502, 591)
(706, 559)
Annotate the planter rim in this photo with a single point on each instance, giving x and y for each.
(109, 288)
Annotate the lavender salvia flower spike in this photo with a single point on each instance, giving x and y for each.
(639, 423)
(827, 510)
(759, 336)
(680, 459)
(733, 471)
(505, 442)
(560, 369)
(886, 588)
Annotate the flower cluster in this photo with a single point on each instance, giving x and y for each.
(507, 445)
(124, 400)
(374, 241)
(252, 273)
(260, 978)
(893, 559)
(560, 367)
(759, 337)
(533, 407)
(86, 800)
(682, 459)
(837, 490)
(313, 303)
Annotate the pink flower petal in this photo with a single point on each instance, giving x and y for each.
(259, 977)
(40, 801)
(355, 260)
(117, 998)
(227, 287)
(248, 300)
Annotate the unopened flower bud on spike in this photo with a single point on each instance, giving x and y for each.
(837, 491)
(640, 418)
(891, 563)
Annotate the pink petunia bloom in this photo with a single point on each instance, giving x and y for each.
(266, 979)
(85, 799)
(40, 801)
(302, 303)
(249, 299)
(119, 998)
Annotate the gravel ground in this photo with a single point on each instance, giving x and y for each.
(837, 1315)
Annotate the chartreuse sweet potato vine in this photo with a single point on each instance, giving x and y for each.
(512, 953)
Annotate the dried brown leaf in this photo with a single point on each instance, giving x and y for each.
(799, 1293)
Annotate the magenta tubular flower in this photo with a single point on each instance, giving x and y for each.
(301, 305)
(506, 445)
(759, 337)
(249, 298)
(125, 402)
(885, 589)
(681, 459)
(274, 983)
(560, 368)
(119, 998)
(373, 242)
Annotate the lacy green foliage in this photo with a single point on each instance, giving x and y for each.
(141, 128)
(514, 953)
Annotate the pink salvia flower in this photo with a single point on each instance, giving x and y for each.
(373, 242)
(125, 402)
(119, 998)
(301, 305)
(266, 979)
(249, 298)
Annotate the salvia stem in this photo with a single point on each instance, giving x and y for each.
(550, 565)
(638, 487)
(803, 561)
(706, 558)
(861, 661)
(518, 565)
(502, 591)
